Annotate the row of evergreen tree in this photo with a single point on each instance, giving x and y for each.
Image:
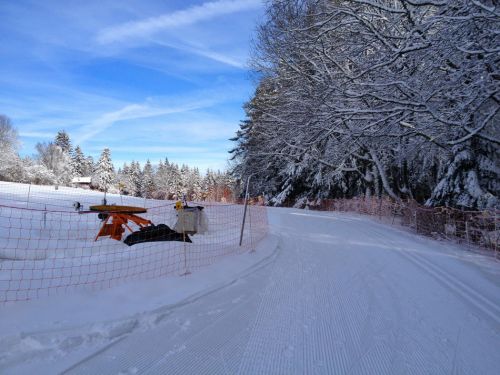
(59, 163)
(169, 181)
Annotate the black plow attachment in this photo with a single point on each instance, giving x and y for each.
(155, 233)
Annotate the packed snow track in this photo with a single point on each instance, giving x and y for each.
(341, 294)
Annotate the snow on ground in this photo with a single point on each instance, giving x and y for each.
(325, 293)
(48, 248)
(49, 333)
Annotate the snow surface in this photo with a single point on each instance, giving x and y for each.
(53, 251)
(325, 293)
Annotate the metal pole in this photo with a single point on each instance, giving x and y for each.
(29, 192)
(252, 248)
(245, 210)
(495, 244)
(496, 235)
(467, 231)
(186, 269)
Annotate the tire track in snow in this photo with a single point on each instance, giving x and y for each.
(328, 303)
(464, 291)
(377, 356)
(468, 297)
(487, 307)
(208, 345)
(320, 344)
(171, 339)
(334, 323)
(170, 347)
(274, 335)
(411, 357)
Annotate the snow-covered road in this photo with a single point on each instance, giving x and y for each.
(341, 295)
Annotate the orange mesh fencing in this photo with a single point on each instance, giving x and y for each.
(473, 228)
(47, 247)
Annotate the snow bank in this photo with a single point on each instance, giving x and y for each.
(48, 248)
(63, 328)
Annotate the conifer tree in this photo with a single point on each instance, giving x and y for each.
(148, 185)
(78, 162)
(89, 166)
(134, 183)
(104, 174)
(62, 140)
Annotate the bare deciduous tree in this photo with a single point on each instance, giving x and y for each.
(371, 96)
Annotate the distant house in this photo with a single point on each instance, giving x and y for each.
(82, 182)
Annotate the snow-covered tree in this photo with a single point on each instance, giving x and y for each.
(195, 184)
(175, 179)
(8, 135)
(78, 162)
(375, 97)
(88, 166)
(36, 173)
(104, 174)
(184, 180)
(56, 160)
(122, 179)
(161, 180)
(148, 184)
(62, 140)
(9, 159)
(135, 179)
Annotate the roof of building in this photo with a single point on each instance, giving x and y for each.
(81, 180)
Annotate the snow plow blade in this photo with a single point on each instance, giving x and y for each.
(155, 233)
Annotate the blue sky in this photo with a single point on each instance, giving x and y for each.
(148, 79)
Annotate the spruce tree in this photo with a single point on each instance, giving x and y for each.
(104, 174)
(89, 166)
(134, 183)
(148, 185)
(78, 162)
(62, 140)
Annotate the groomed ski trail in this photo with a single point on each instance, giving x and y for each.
(342, 295)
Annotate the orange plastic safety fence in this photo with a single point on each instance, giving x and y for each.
(473, 228)
(47, 247)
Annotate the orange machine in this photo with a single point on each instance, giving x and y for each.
(120, 216)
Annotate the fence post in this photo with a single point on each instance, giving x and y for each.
(45, 217)
(183, 223)
(245, 210)
(186, 269)
(496, 234)
(467, 231)
(29, 192)
(380, 209)
(252, 248)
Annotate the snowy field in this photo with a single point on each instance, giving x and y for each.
(48, 248)
(325, 293)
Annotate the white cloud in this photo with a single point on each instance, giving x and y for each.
(131, 112)
(29, 134)
(189, 16)
(204, 52)
(58, 55)
(156, 107)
